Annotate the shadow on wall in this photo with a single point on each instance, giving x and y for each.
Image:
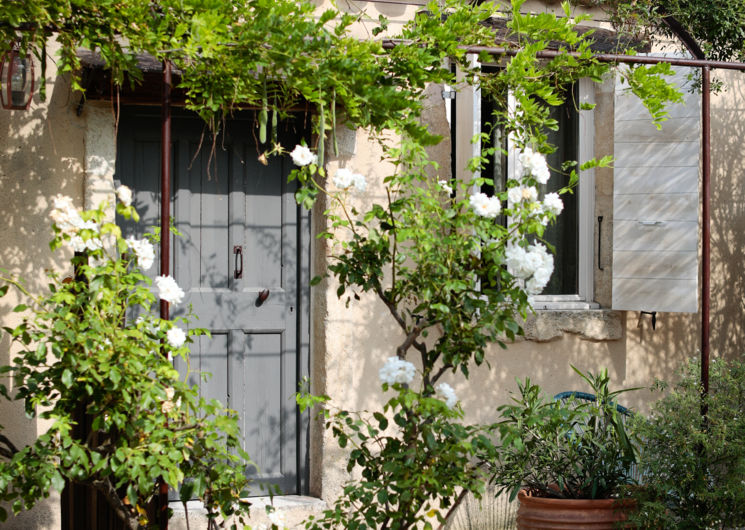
(728, 218)
(41, 155)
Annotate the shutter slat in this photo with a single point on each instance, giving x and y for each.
(635, 294)
(659, 264)
(669, 235)
(674, 130)
(655, 204)
(655, 180)
(658, 207)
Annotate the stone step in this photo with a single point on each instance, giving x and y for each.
(291, 511)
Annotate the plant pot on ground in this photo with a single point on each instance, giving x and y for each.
(565, 457)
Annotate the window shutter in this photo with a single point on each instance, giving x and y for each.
(467, 124)
(656, 204)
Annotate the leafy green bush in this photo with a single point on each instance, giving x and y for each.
(692, 470)
(80, 353)
(573, 449)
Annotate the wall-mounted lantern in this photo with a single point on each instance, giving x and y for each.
(17, 81)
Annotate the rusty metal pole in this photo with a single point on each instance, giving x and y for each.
(165, 240)
(705, 227)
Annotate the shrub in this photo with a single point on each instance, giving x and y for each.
(692, 469)
(80, 351)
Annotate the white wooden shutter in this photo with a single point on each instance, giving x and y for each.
(656, 204)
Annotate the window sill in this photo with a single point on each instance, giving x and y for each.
(590, 324)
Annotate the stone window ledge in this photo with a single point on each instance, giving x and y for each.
(590, 324)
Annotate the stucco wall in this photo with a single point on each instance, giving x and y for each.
(55, 147)
(41, 154)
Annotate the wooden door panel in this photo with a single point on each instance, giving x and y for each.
(222, 200)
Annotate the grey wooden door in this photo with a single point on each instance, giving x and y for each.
(241, 234)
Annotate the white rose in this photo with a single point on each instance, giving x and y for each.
(359, 182)
(302, 156)
(169, 290)
(485, 206)
(514, 195)
(124, 194)
(534, 164)
(447, 394)
(542, 275)
(534, 287)
(445, 187)
(516, 260)
(65, 216)
(343, 178)
(397, 370)
(144, 252)
(176, 337)
(529, 193)
(553, 203)
(77, 243)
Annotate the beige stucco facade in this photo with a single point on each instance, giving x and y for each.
(51, 149)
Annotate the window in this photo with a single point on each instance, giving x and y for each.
(571, 283)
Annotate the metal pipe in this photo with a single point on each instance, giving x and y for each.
(705, 228)
(165, 239)
(165, 182)
(602, 57)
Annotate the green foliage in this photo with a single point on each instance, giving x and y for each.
(574, 449)
(439, 264)
(691, 469)
(414, 456)
(715, 25)
(81, 352)
(647, 83)
(272, 55)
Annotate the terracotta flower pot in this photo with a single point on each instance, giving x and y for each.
(547, 514)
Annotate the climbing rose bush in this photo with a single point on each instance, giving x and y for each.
(81, 350)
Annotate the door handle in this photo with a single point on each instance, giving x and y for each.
(263, 295)
(238, 265)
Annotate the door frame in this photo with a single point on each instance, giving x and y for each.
(303, 302)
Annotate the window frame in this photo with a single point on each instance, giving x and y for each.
(583, 299)
(465, 112)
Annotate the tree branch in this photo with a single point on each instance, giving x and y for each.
(395, 239)
(391, 307)
(444, 368)
(105, 486)
(409, 342)
(454, 507)
(685, 37)
(11, 449)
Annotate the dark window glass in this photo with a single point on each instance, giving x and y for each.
(564, 233)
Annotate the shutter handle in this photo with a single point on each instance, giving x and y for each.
(263, 295)
(600, 240)
(238, 267)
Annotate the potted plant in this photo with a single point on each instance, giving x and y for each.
(567, 461)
